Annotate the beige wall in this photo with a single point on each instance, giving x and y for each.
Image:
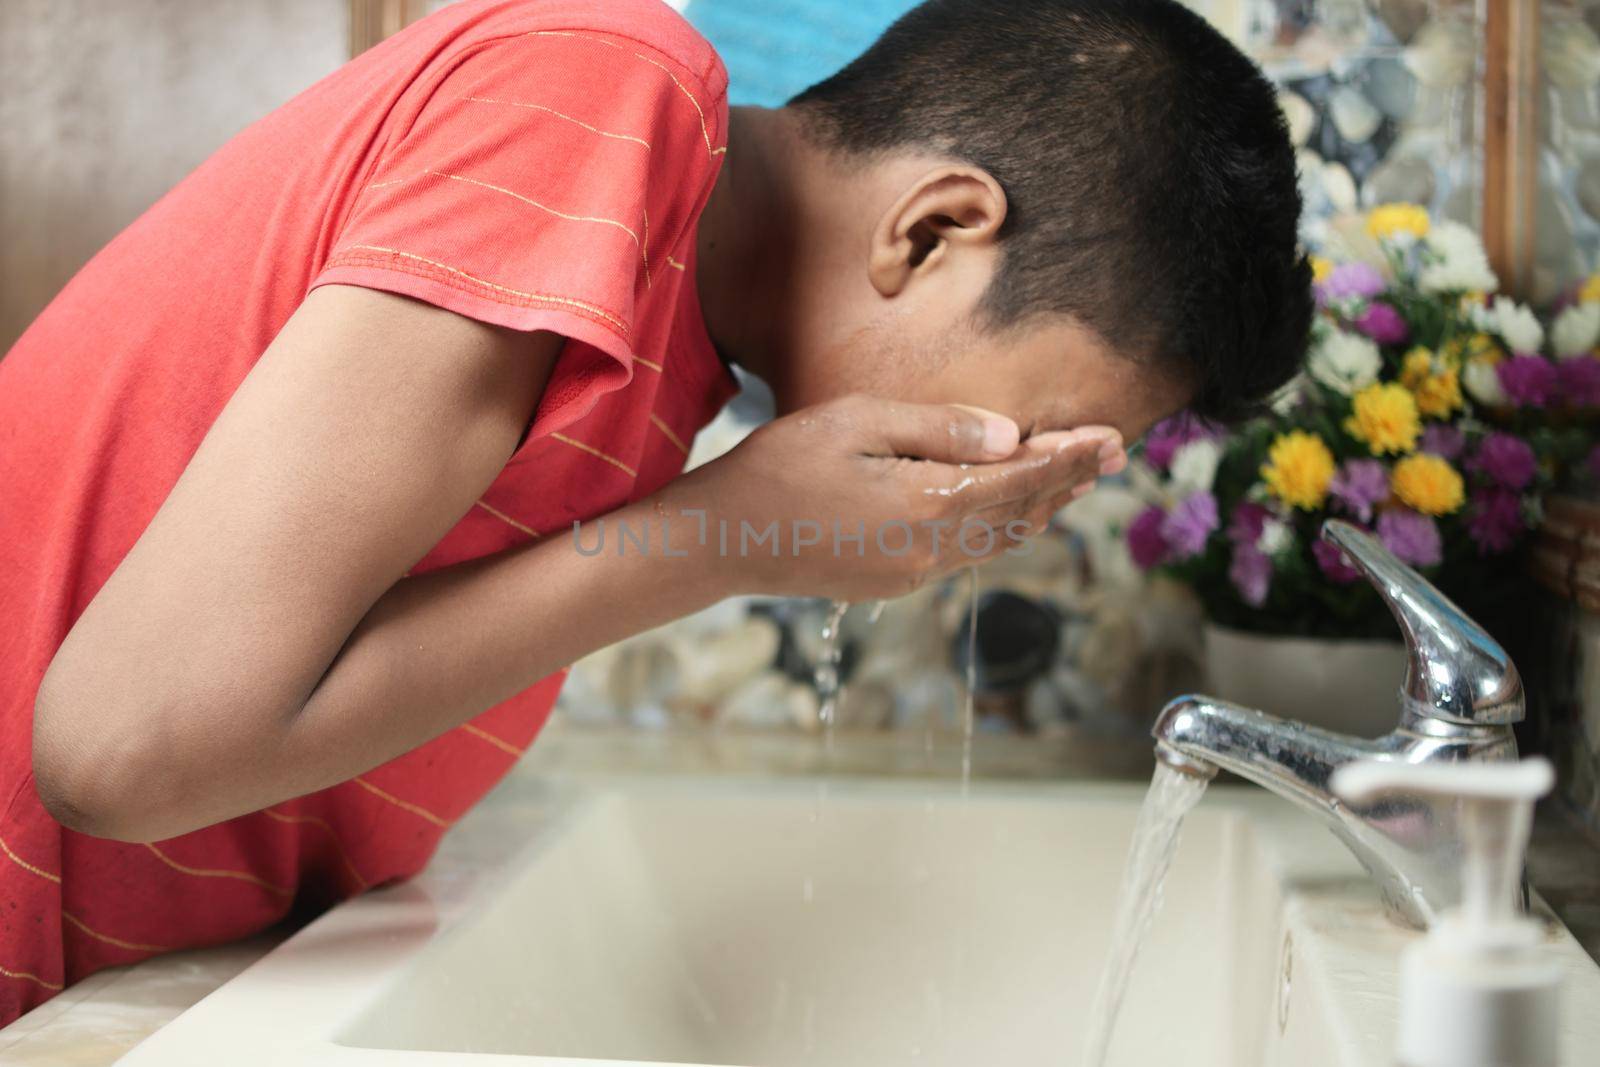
(106, 103)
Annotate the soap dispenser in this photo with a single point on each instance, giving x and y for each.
(1479, 990)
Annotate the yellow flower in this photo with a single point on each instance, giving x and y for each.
(1298, 470)
(1440, 395)
(1391, 220)
(1321, 267)
(1384, 415)
(1590, 290)
(1416, 368)
(1436, 389)
(1474, 348)
(1429, 484)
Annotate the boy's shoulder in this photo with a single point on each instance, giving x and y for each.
(651, 24)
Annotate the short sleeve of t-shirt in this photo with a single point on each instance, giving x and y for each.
(536, 183)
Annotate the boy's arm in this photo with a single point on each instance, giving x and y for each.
(366, 429)
(258, 643)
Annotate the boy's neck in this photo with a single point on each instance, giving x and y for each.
(750, 233)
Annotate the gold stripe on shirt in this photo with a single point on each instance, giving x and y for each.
(614, 461)
(705, 131)
(507, 519)
(206, 872)
(404, 805)
(667, 432)
(560, 115)
(25, 865)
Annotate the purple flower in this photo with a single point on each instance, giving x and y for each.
(1578, 380)
(1331, 559)
(1528, 380)
(1505, 460)
(1412, 536)
(1171, 434)
(1249, 519)
(1189, 524)
(1442, 440)
(1360, 484)
(1383, 324)
(1349, 280)
(1146, 543)
(1495, 520)
(1251, 574)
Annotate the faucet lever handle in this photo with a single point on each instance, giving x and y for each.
(1454, 670)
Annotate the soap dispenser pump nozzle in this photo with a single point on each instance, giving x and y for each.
(1477, 991)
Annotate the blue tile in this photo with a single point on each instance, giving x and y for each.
(775, 48)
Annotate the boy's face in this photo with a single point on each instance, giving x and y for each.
(1048, 373)
(886, 299)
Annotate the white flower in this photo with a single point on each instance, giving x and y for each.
(1456, 262)
(1575, 330)
(1482, 318)
(1482, 383)
(1287, 398)
(1518, 326)
(1276, 537)
(1194, 466)
(1345, 362)
(1346, 240)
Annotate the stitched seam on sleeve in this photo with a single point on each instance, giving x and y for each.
(444, 274)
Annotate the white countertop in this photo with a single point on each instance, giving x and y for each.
(98, 1020)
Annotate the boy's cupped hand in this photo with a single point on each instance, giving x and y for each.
(862, 498)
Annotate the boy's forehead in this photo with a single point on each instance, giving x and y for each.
(1086, 382)
(1131, 413)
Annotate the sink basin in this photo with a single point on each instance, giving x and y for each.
(846, 924)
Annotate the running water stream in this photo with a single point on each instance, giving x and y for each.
(829, 686)
(1155, 838)
(972, 680)
(826, 675)
(1172, 796)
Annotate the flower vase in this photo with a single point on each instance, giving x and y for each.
(1351, 686)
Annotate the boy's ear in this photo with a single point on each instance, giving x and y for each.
(948, 206)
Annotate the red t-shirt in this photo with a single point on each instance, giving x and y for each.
(540, 164)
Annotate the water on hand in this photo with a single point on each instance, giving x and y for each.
(1155, 839)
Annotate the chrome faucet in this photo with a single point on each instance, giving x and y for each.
(1460, 695)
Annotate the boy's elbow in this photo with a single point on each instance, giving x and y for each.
(88, 779)
(78, 798)
(67, 801)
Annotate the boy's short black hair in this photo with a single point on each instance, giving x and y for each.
(1151, 181)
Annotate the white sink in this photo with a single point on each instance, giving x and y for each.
(859, 924)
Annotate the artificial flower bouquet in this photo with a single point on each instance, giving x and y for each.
(1429, 412)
